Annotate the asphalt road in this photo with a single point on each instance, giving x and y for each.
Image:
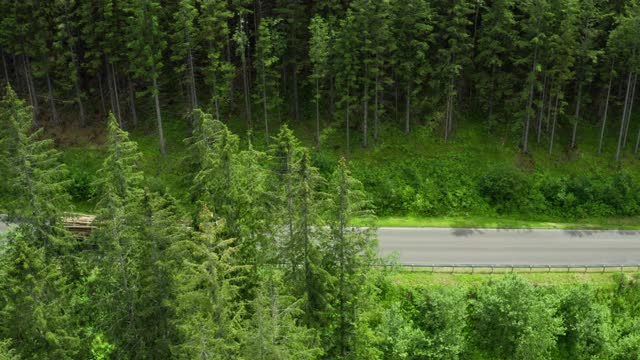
(425, 246)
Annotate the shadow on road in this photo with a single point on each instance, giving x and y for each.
(585, 233)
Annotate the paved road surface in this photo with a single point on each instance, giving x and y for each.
(424, 246)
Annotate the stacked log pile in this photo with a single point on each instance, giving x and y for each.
(80, 225)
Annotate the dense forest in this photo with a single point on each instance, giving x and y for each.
(249, 251)
(266, 268)
(554, 80)
(532, 66)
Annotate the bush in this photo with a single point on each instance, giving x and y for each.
(506, 189)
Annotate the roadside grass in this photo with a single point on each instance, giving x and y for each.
(427, 279)
(629, 223)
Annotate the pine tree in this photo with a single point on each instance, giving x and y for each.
(33, 287)
(298, 206)
(413, 31)
(588, 16)
(497, 34)
(272, 331)
(66, 43)
(184, 50)
(268, 56)
(206, 306)
(38, 179)
(319, 55)
(146, 44)
(214, 33)
(34, 308)
(534, 29)
(241, 40)
(118, 236)
(348, 254)
(454, 52)
(347, 68)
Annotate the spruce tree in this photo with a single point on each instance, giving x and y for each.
(118, 237)
(319, 51)
(412, 28)
(38, 179)
(214, 33)
(207, 308)
(268, 56)
(186, 44)
(145, 46)
(34, 288)
(348, 254)
(272, 331)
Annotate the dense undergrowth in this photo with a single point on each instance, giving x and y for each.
(477, 175)
(510, 316)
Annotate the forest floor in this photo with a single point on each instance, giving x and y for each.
(484, 148)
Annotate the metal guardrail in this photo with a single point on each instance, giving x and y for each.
(506, 268)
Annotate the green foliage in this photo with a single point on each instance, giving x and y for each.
(39, 180)
(511, 318)
(272, 331)
(206, 307)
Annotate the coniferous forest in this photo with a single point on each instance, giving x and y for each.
(251, 253)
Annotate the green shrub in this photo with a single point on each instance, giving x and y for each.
(506, 189)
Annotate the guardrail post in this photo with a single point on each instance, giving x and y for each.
(549, 268)
(585, 269)
(603, 267)
(492, 269)
(568, 268)
(472, 269)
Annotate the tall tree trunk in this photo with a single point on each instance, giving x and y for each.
(317, 113)
(103, 105)
(231, 89)
(296, 105)
(606, 110)
(348, 126)
(449, 111)
(633, 95)
(83, 118)
(110, 89)
(541, 110)
(375, 110)
(365, 100)
(156, 96)
(192, 80)
(5, 67)
(132, 102)
(31, 89)
(214, 79)
(245, 83)
(332, 101)
(52, 102)
(395, 90)
(624, 117)
(577, 116)
(407, 120)
(525, 136)
(114, 78)
(16, 72)
(264, 104)
(553, 126)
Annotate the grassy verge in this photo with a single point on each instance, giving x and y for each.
(427, 279)
(631, 223)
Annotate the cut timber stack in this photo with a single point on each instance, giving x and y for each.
(80, 225)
